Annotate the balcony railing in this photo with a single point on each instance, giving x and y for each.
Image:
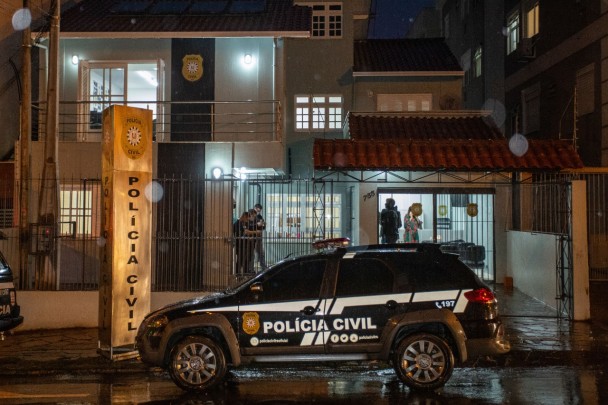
(173, 121)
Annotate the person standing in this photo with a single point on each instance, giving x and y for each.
(260, 226)
(243, 246)
(411, 223)
(390, 221)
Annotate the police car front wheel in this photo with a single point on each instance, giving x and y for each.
(197, 363)
(423, 361)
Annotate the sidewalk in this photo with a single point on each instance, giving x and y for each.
(537, 339)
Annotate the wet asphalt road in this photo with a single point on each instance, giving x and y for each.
(495, 385)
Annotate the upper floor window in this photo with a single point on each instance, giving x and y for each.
(531, 108)
(327, 20)
(532, 20)
(404, 102)
(318, 113)
(585, 90)
(136, 84)
(512, 32)
(477, 65)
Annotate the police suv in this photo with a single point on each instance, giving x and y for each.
(411, 305)
(10, 316)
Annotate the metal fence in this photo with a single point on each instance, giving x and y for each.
(193, 241)
(173, 121)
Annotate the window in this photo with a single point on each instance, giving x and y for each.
(512, 32)
(397, 102)
(326, 20)
(297, 216)
(106, 83)
(585, 90)
(477, 65)
(80, 210)
(363, 277)
(295, 281)
(531, 109)
(446, 26)
(532, 21)
(318, 113)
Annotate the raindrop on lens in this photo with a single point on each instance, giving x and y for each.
(22, 19)
(518, 145)
(154, 192)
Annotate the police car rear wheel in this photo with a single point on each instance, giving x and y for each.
(197, 364)
(423, 362)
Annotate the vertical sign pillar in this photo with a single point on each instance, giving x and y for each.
(124, 288)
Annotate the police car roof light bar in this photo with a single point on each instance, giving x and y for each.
(331, 243)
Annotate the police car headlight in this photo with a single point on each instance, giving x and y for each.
(156, 325)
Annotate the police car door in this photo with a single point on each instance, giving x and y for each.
(365, 299)
(283, 313)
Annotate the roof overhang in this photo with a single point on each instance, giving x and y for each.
(410, 74)
(179, 34)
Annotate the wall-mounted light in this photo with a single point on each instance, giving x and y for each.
(217, 172)
(248, 59)
(75, 59)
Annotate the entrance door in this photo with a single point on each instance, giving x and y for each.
(461, 220)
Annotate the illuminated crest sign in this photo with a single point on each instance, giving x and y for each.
(133, 140)
(192, 67)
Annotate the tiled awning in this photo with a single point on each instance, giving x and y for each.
(442, 154)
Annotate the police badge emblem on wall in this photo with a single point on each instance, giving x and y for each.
(472, 210)
(192, 67)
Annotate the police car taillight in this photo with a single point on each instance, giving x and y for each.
(480, 295)
(331, 243)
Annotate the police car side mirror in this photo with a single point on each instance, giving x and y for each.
(256, 288)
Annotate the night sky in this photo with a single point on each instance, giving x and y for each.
(393, 17)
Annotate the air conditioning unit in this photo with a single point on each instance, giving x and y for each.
(526, 48)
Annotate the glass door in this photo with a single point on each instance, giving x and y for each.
(460, 220)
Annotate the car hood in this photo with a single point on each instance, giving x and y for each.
(209, 302)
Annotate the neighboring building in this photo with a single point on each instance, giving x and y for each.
(473, 30)
(427, 24)
(555, 73)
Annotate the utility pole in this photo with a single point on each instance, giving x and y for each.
(24, 152)
(47, 274)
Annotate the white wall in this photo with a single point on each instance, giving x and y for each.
(73, 309)
(531, 261)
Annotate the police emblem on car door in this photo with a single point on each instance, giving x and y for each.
(365, 299)
(282, 312)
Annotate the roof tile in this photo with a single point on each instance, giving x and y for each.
(442, 154)
(96, 16)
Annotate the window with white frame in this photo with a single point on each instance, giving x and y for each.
(477, 58)
(404, 102)
(512, 31)
(80, 210)
(318, 112)
(532, 20)
(326, 20)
